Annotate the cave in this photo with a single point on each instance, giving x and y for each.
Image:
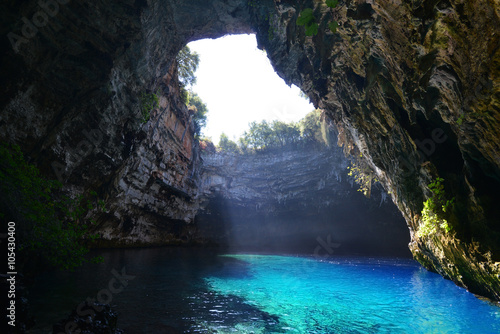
(410, 88)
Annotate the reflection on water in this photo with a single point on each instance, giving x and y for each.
(178, 290)
(168, 291)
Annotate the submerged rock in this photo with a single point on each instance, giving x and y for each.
(92, 318)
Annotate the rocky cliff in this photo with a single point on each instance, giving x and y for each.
(295, 200)
(413, 86)
(72, 78)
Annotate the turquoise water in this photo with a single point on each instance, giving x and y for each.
(179, 290)
(353, 296)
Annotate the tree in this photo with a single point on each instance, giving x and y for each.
(310, 126)
(244, 145)
(227, 145)
(187, 63)
(284, 134)
(200, 112)
(259, 135)
(264, 136)
(314, 128)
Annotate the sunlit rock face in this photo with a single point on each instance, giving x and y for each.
(295, 200)
(413, 85)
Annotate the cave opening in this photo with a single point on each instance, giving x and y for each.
(238, 83)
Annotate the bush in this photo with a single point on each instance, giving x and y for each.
(49, 225)
(433, 215)
(363, 175)
(149, 102)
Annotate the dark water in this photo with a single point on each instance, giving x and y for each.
(198, 291)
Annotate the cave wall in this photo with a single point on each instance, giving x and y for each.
(295, 200)
(412, 85)
(73, 74)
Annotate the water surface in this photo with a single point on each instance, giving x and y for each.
(199, 291)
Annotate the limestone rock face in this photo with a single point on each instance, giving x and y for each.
(295, 200)
(413, 86)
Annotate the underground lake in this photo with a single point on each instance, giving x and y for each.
(182, 290)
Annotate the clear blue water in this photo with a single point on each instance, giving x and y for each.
(197, 291)
(354, 295)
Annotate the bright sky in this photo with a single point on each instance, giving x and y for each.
(238, 84)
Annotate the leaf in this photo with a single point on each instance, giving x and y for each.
(306, 17)
(332, 3)
(312, 29)
(333, 26)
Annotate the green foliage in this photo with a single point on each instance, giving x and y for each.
(253, 3)
(433, 214)
(460, 120)
(332, 3)
(439, 195)
(227, 145)
(306, 17)
(50, 226)
(187, 63)
(429, 222)
(263, 136)
(304, 95)
(184, 95)
(97, 259)
(313, 128)
(244, 145)
(149, 101)
(363, 176)
(285, 134)
(259, 135)
(308, 20)
(333, 26)
(445, 226)
(312, 30)
(200, 112)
